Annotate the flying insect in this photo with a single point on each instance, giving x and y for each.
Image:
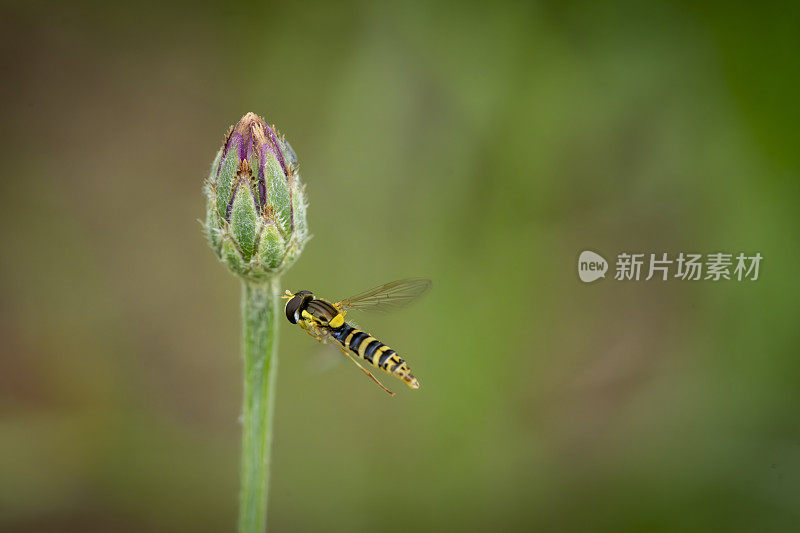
(324, 320)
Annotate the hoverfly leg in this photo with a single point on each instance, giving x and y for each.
(308, 331)
(367, 372)
(287, 295)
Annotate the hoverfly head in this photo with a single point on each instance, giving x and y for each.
(297, 304)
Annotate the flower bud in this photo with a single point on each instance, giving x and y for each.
(255, 210)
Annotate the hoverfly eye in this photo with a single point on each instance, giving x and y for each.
(292, 309)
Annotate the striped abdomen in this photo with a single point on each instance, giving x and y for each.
(374, 352)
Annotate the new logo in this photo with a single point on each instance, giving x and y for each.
(591, 266)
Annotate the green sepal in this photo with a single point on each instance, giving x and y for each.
(230, 256)
(271, 248)
(255, 172)
(212, 225)
(212, 174)
(243, 219)
(278, 193)
(288, 154)
(227, 177)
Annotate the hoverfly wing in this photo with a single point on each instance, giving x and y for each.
(389, 296)
(323, 358)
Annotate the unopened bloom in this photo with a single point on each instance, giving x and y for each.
(255, 210)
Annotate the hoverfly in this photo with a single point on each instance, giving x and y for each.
(325, 320)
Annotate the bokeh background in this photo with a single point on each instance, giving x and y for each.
(483, 146)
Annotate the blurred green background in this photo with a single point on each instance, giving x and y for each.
(481, 146)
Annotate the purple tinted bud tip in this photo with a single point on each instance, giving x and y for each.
(252, 135)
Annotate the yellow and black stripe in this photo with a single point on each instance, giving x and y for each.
(374, 352)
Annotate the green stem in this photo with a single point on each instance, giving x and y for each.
(260, 315)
